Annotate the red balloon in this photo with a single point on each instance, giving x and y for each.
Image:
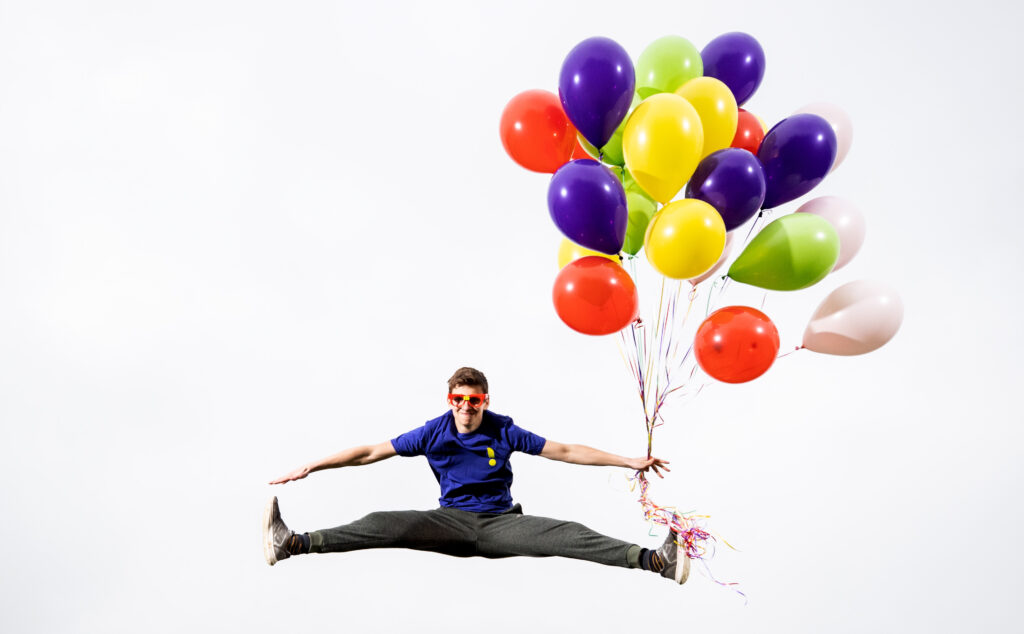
(736, 344)
(536, 132)
(749, 132)
(595, 296)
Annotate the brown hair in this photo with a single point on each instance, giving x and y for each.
(467, 376)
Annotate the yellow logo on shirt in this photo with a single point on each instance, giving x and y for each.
(490, 454)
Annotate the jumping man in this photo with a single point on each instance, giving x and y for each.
(468, 449)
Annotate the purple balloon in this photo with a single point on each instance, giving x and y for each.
(596, 87)
(737, 60)
(797, 153)
(731, 181)
(588, 204)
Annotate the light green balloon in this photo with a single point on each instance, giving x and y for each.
(628, 182)
(641, 210)
(792, 252)
(666, 64)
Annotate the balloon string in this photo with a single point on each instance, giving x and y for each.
(711, 293)
(673, 349)
(725, 279)
(753, 226)
(659, 341)
(650, 351)
(658, 332)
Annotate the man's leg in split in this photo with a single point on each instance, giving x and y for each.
(464, 534)
(438, 530)
(514, 534)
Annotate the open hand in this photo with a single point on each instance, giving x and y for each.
(643, 464)
(298, 474)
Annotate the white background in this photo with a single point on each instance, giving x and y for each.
(239, 236)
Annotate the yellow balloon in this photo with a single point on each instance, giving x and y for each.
(716, 105)
(662, 144)
(685, 239)
(569, 251)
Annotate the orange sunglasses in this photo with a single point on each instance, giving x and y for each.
(474, 400)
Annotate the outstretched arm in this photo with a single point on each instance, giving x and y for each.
(581, 454)
(353, 457)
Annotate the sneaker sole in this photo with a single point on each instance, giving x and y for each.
(268, 534)
(683, 568)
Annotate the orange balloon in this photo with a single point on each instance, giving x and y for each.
(736, 344)
(535, 131)
(595, 296)
(749, 132)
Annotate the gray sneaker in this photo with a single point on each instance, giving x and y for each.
(275, 534)
(677, 563)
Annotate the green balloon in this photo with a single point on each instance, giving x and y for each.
(641, 210)
(627, 180)
(666, 64)
(792, 252)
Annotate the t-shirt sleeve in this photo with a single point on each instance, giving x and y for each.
(412, 443)
(525, 441)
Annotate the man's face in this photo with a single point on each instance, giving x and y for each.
(466, 416)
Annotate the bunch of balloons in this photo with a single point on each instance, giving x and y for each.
(623, 140)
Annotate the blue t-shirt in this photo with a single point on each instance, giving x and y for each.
(472, 469)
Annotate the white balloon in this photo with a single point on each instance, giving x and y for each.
(847, 220)
(841, 125)
(856, 318)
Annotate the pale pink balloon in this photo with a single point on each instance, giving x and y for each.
(721, 260)
(856, 318)
(847, 220)
(841, 125)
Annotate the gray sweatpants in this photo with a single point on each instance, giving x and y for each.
(465, 534)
